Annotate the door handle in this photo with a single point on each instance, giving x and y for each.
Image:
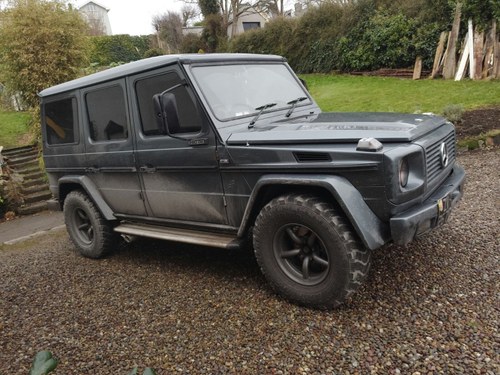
(147, 169)
(92, 170)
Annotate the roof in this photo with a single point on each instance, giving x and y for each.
(153, 63)
(96, 3)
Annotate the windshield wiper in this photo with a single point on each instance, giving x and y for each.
(294, 104)
(261, 109)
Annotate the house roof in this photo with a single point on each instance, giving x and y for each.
(153, 63)
(95, 3)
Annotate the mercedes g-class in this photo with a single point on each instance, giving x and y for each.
(216, 149)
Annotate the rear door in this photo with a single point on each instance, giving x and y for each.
(179, 173)
(110, 160)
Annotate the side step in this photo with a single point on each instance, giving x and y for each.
(225, 241)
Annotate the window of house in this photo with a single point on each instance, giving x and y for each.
(107, 114)
(189, 118)
(251, 25)
(60, 120)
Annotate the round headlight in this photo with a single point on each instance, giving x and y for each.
(404, 171)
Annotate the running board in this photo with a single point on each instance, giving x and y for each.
(225, 241)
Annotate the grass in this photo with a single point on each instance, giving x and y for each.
(13, 128)
(472, 143)
(342, 93)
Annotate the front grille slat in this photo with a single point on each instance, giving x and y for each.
(433, 156)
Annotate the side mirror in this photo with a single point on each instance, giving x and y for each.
(167, 117)
(304, 83)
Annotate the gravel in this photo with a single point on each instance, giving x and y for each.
(429, 308)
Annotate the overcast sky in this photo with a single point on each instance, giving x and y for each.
(134, 16)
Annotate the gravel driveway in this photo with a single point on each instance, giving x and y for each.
(430, 308)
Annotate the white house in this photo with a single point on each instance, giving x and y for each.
(97, 17)
(248, 20)
(196, 30)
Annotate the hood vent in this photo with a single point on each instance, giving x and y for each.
(312, 157)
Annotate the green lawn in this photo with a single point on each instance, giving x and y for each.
(348, 93)
(357, 93)
(13, 126)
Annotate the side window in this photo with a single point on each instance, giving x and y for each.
(189, 118)
(60, 121)
(107, 114)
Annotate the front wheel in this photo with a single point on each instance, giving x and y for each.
(308, 251)
(92, 235)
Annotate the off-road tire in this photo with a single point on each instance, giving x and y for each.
(338, 262)
(92, 235)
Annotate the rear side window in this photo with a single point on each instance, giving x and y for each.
(60, 120)
(107, 114)
(189, 118)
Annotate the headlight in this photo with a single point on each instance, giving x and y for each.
(405, 177)
(404, 172)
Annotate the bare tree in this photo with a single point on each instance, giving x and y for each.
(168, 28)
(96, 27)
(274, 8)
(189, 13)
(231, 10)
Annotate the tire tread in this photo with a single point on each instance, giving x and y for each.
(359, 258)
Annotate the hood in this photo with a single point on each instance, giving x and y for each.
(340, 127)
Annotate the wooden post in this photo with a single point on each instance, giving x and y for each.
(438, 57)
(450, 55)
(464, 58)
(417, 70)
(478, 53)
(496, 54)
(489, 56)
(472, 61)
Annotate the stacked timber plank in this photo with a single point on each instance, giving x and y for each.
(479, 53)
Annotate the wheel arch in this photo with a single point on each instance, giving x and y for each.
(336, 189)
(68, 184)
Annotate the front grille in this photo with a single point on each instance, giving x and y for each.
(433, 156)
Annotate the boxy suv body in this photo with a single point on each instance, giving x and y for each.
(219, 149)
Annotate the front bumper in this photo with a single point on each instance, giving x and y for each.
(432, 212)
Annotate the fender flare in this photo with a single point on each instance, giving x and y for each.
(370, 229)
(91, 189)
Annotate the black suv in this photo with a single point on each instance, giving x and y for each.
(215, 149)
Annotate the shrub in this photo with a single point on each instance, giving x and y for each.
(192, 43)
(453, 112)
(108, 49)
(275, 38)
(153, 52)
(382, 41)
(42, 43)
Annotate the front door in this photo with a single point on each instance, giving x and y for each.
(180, 174)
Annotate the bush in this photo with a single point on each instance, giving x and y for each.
(357, 36)
(192, 43)
(273, 39)
(153, 52)
(42, 43)
(453, 112)
(108, 49)
(382, 41)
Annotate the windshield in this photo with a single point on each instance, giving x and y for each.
(234, 91)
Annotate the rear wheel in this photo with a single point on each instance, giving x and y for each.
(92, 235)
(308, 251)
